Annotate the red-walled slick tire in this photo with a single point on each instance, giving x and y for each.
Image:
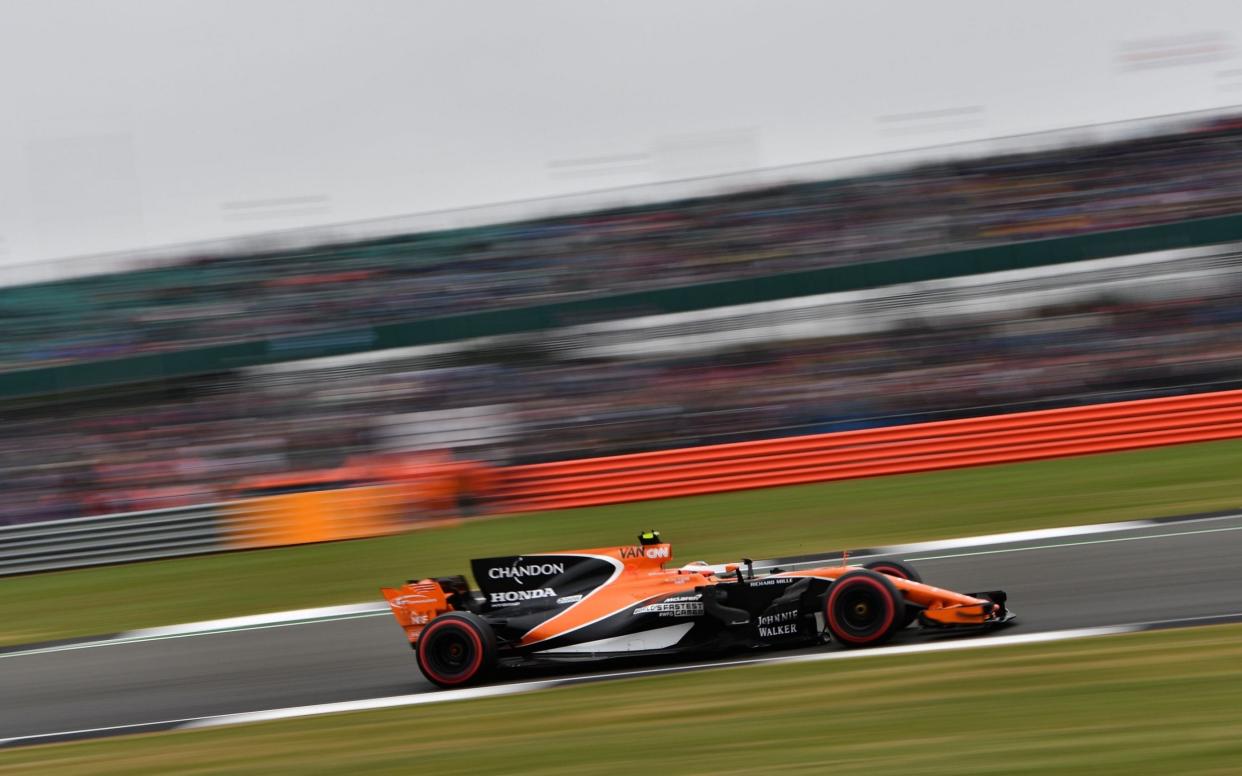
(456, 649)
(896, 568)
(863, 609)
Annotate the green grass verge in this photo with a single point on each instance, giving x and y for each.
(1168, 702)
(759, 523)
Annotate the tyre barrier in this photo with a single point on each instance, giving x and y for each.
(1023, 436)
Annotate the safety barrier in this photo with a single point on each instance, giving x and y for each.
(272, 521)
(120, 538)
(874, 452)
(396, 498)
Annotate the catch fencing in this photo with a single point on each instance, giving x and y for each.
(873, 452)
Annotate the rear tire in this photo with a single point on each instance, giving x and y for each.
(456, 649)
(863, 609)
(901, 570)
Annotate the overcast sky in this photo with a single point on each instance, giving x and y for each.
(127, 123)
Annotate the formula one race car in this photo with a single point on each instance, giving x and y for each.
(586, 605)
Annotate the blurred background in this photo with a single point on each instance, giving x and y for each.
(259, 252)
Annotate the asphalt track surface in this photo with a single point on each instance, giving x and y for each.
(1186, 570)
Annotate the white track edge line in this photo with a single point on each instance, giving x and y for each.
(122, 640)
(1018, 536)
(1075, 544)
(230, 623)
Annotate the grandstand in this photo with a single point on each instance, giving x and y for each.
(897, 347)
(931, 208)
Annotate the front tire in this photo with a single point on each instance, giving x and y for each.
(900, 570)
(456, 649)
(863, 609)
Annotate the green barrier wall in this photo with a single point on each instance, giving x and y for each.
(51, 380)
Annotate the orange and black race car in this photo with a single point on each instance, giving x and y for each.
(588, 605)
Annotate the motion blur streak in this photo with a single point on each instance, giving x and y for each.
(1055, 588)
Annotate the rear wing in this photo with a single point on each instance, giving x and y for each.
(418, 602)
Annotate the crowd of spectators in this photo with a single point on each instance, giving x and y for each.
(192, 443)
(922, 209)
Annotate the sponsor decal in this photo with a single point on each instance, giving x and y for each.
(672, 608)
(679, 598)
(772, 581)
(419, 619)
(516, 572)
(654, 553)
(541, 579)
(516, 596)
(570, 599)
(406, 600)
(772, 619)
(779, 630)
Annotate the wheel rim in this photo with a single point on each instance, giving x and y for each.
(451, 653)
(861, 610)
